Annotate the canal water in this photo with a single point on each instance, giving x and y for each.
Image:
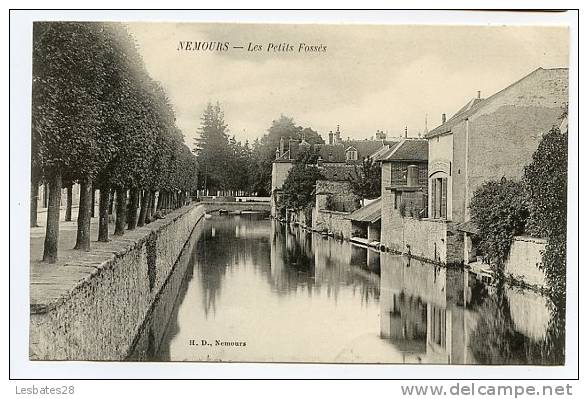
(249, 289)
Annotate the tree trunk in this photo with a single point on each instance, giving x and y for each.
(132, 211)
(160, 200)
(103, 213)
(34, 200)
(68, 203)
(46, 195)
(111, 203)
(52, 228)
(84, 215)
(145, 201)
(121, 211)
(150, 207)
(93, 208)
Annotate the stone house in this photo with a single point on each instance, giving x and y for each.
(333, 157)
(334, 202)
(485, 140)
(404, 189)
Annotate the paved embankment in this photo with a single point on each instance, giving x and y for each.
(91, 307)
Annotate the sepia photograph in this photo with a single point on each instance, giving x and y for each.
(318, 193)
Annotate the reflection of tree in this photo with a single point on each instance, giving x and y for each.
(495, 339)
(302, 259)
(228, 241)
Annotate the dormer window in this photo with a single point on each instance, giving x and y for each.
(351, 154)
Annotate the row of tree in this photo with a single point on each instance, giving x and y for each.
(229, 165)
(99, 119)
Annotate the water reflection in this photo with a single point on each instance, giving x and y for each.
(294, 296)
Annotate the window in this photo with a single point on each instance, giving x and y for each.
(439, 198)
(397, 199)
(398, 174)
(351, 154)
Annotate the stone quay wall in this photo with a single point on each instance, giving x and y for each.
(525, 259)
(105, 296)
(429, 239)
(332, 221)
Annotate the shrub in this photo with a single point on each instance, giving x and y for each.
(546, 184)
(402, 208)
(500, 210)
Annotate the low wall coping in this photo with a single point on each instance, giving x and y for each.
(536, 240)
(334, 212)
(52, 285)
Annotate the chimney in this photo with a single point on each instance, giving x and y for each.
(277, 153)
(443, 118)
(337, 135)
(281, 146)
(479, 94)
(405, 131)
(331, 137)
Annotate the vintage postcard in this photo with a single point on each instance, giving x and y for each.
(341, 193)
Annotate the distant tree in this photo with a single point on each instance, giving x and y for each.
(214, 151)
(309, 135)
(300, 184)
(367, 182)
(264, 150)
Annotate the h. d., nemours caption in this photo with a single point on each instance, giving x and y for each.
(336, 193)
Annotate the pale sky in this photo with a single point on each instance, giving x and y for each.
(370, 77)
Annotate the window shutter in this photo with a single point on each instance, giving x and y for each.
(444, 198)
(433, 198)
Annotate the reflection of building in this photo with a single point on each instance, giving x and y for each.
(422, 311)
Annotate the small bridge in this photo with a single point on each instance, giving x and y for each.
(254, 206)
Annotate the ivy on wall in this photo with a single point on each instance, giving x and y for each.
(499, 209)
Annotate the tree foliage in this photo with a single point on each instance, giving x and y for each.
(99, 118)
(546, 183)
(499, 209)
(299, 186)
(367, 182)
(264, 149)
(230, 165)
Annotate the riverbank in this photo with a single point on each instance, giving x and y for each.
(90, 307)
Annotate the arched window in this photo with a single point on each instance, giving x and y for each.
(438, 196)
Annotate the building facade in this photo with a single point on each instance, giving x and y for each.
(404, 189)
(487, 139)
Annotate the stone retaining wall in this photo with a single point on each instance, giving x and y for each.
(429, 239)
(524, 260)
(332, 221)
(110, 292)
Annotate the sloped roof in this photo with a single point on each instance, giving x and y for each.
(473, 106)
(331, 153)
(338, 172)
(365, 148)
(336, 152)
(370, 213)
(407, 150)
